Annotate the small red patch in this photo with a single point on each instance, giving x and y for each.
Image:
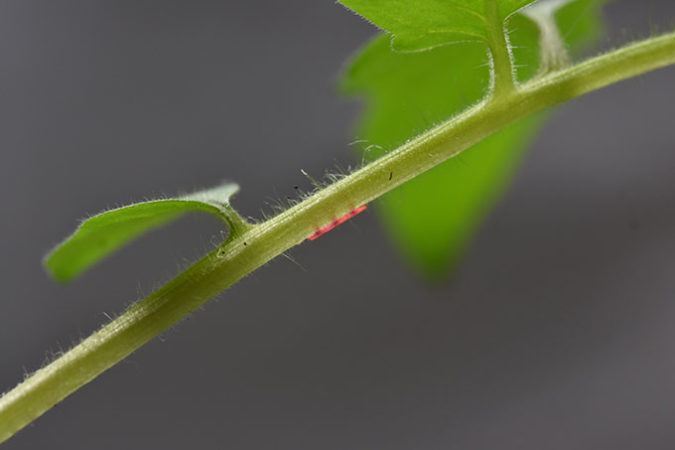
(325, 229)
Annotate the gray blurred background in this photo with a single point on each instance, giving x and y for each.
(556, 333)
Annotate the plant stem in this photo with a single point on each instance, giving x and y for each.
(552, 48)
(500, 53)
(257, 245)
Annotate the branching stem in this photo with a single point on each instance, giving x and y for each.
(255, 246)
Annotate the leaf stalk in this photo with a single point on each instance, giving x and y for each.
(503, 78)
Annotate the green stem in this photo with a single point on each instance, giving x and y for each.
(500, 53)
(255, 246)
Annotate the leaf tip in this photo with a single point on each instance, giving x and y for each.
(55, 268)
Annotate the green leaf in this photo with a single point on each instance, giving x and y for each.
(579, 21)
(433, 217)
(424, 24)
(100, 235)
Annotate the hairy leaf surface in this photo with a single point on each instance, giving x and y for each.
(100, 235)
(432, 217)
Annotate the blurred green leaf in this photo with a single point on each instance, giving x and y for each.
(100, 235)
(423, 24)
(433, 217)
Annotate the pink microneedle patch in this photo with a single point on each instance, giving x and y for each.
(325, 229)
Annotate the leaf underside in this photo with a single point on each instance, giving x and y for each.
(100, 235)
(433, 217)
